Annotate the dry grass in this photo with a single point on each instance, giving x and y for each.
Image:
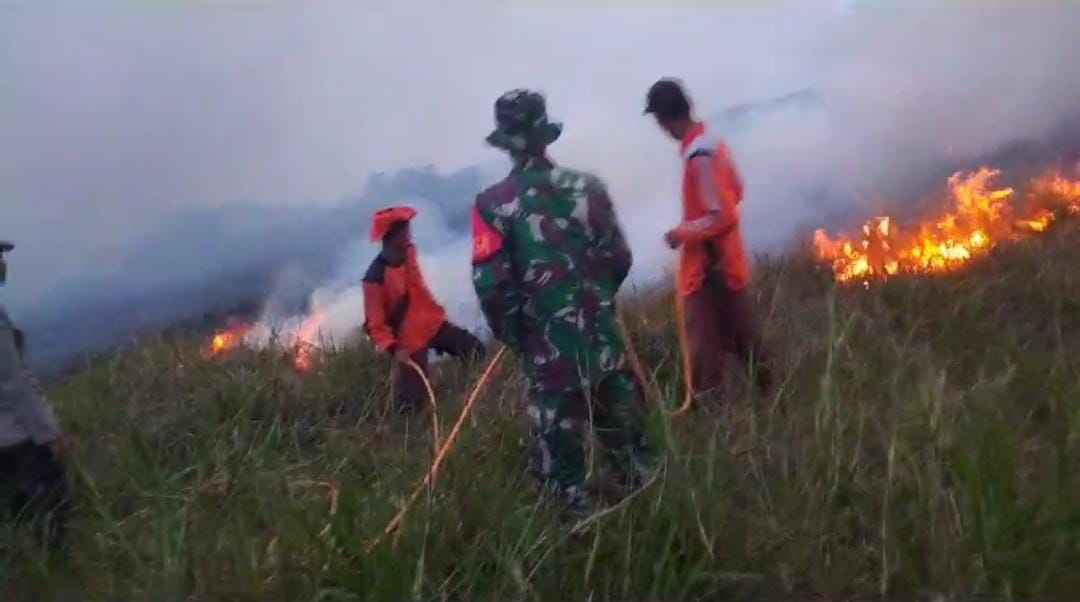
(923, 445)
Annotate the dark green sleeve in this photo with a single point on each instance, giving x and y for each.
(494, 280)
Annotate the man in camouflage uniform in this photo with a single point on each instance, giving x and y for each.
(548, 259)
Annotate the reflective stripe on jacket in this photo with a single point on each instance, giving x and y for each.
(709, 232)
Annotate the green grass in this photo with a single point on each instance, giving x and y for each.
(923, 444)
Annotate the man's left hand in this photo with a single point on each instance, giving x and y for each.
(672, 239)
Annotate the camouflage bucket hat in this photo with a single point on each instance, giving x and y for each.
(521, 122)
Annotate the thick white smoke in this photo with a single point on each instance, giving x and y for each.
(336, 308)
(120, 118)
(893, 95)
(904, 93)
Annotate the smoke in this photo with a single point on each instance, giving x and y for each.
(244, 261)
(188, 157)
(906, 95)
(335, 310)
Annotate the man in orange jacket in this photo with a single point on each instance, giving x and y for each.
(713, 274)
(402, 317)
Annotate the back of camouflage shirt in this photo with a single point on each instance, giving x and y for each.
(549, 288)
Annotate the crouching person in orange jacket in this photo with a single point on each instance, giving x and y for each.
(402, 317)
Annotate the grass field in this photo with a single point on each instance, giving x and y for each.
(923, 444)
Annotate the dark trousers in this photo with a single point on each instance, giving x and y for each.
(719, 321)
(450, 340)
(33, 490)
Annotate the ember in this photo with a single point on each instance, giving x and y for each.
(979, 218)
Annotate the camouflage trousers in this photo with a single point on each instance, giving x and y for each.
(561, 423)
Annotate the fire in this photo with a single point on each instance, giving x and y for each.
(1040, 222)
(302, 344)
(221, 342)
(304, 347)
(226, 340)
(979, 217)
(302, 359)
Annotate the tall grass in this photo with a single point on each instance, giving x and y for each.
(921, 444)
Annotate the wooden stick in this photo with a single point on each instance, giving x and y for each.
(436, 466)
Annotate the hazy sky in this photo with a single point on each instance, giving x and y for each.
(114, 114)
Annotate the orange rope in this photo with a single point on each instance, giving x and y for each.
(684, 348)
(396, 522)
(632, 357)
(435, 435)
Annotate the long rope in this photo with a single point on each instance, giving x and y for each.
(435, 434)
(684, 348)
(684, 352)
(632, 357)
(444, 450)
(436, 466)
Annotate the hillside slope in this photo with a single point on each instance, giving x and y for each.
(924, 442)
(198, 260)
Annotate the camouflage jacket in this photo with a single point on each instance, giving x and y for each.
(548, 258)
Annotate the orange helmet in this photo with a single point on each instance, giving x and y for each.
(384, 219)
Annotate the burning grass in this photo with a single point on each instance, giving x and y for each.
(224, 341)
(304, 346)
(923, 444)
(977, 217)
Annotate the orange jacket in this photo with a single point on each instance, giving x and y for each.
(400, 311)
(709, 232)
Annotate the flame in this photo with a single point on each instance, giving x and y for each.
(226, 340)
(302, 359)
(1040, 222)
(304, 347)
(978, 218)
(220, 343)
